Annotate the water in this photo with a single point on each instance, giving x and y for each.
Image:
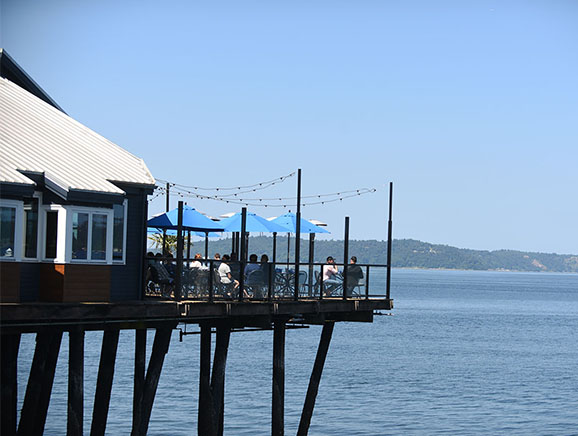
(466, 353)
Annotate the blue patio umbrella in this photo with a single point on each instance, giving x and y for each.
(289, 221)
(192, 220)
(254, 223)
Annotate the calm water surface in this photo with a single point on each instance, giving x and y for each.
(466, 353)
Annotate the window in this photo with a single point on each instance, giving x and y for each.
(90, 236)
(98, 251)
(51, 234)
(31, 228)
(79, 235)
(7, 231)
(118, 232)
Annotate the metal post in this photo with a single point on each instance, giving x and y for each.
(345, 256)
(242, 254)
(189, 246)
(179, 271)
(311, 261)
(167, 208)
(389, 232)
(367, 283)
(274, 247)
(206, 245)
(298, 235)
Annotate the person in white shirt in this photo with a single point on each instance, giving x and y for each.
(330, 272)
(225, 273)
(196, 263)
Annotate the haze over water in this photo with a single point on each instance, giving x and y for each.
(466, 353)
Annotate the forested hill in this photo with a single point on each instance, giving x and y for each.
(409, 253)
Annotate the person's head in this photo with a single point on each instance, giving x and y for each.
(233, 256)
(330, 259)
(158, 255)
(264, 258)
(226, 257)
(150, 254)
(353, 259)
(198, 256)
(217, 256)
(253, 258)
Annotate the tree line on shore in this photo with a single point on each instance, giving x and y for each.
(406, 253)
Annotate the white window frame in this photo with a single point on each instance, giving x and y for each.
(18, 229)
(71, 210)
(61, 232)
(123, 260)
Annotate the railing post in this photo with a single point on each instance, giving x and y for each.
(211, 281)
(179, 271)
(345, 256)
(367, 283)
(389, 228)
(298, 235)
(242, 254)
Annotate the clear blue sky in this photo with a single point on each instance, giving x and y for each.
(469, 107)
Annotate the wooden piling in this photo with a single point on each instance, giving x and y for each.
(160, 349)
(9, 345)
(278, 401)
(218, 377)
(205, 422)
(75, 417)
(104, 382)
(139, 379)
(313, 388)
(37, 397)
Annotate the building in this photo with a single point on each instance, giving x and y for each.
(73, 205)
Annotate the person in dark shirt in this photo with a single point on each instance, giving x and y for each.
(354, 275)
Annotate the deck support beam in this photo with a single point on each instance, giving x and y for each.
(139, 378)
(75, 417)
(205, 421)
(160, 349)
(9, 375)
(104, 382)
(37, 397)
(313, 388)
(218, 377)
(278, 401)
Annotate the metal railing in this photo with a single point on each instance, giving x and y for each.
(263, 281)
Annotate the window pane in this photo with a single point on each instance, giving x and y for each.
(118, 232)
(79, 235)
(51, 234)
(98, 237)
(7, 231)
(31, 223)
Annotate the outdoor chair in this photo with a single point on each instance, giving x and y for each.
(256, 284)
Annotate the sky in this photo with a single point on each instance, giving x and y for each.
(469, 108)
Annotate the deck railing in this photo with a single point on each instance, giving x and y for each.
(266, 282)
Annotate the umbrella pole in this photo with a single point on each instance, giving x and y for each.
(206, 245)
(288, 247)
(274, 247)
(311, 257)
(189, 245)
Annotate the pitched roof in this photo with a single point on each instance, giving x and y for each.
(35, 137)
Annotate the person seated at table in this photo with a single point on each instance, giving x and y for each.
(235, 266)
(252, 265)
(197, 264)
(225, 273)
(354, 275)
(330, 274)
